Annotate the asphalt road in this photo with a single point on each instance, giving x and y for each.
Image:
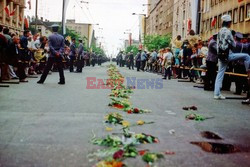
(51, 124)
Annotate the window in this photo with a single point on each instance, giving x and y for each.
(248, 11)
(230, 13)
(219, 21)
(216, 22)
(210, 23)
(212, 3)
(241, 18)
(220, 0)
(235, 19)
(216, 2)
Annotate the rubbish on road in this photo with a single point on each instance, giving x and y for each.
(109, 141)
(172, 131)
(136, 111)
(142, 152)
(169, 152)
(145, 139)
(218, 148)
(112, 163)
(210, 135)
(170, 112)
(109, 129)
(190, 108)
(120, 104)
(114, 118)
(152, 157)
(195, 117)
(125, 124)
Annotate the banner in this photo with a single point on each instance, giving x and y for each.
(65, 6)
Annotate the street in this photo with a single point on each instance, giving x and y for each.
(52, 125)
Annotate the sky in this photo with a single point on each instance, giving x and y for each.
(113, 16)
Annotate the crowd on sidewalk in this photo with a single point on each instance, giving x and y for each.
(199, 60)
(27, 54)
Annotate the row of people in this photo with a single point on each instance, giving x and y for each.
(29, 54)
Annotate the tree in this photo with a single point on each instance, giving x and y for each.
(157, 42)
(133, 49)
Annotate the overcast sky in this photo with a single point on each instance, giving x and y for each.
(113, 16)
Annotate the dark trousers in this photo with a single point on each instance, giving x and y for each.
(138, 65)
(49, 65)
(80, 65)
(21, 71)
(210, 75)
(143, 63)
(131, 64)
(93, 62)
(167, 73)
(71, 63)
(240, 82)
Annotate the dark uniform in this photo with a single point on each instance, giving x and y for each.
(56, 46)
(72, 55)
(80, 60)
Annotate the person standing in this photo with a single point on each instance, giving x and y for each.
(56, 46)
(131, 60)
(211, 63)
(80, 62)
(138, 60)
(167, 62)
(72, 55)
(143, 60)
(225, 44)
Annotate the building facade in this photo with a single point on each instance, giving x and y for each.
(181, 18)
(15, 22)
(160, 17)
(80, 28)
(212, 10)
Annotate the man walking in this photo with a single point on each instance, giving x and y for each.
(56, 46)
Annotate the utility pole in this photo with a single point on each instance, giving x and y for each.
(36, 16)
(63, 17)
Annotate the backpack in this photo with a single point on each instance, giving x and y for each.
(223, 54)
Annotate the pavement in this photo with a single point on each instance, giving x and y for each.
(51, 125)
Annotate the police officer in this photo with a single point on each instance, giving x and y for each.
(56, 46)
(72, 55)
(80, 62)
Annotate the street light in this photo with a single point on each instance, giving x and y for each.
(144, 26)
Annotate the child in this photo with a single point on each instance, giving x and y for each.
(167, 62)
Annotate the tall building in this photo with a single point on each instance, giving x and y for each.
(16, 9)
(212, 10)
(84, 30)
(160, 17)
(181, 18)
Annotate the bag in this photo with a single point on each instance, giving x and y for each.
(223, 54)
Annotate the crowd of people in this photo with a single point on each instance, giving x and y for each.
(27, 54)
(199, 60)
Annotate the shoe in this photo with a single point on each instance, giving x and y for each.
(39, 82)
(23, 80)
(15, 78)
(61, 83)
(246, 101)
(220, 97)
(237, 93)
(164, 78)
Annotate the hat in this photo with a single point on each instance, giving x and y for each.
(226, 18)
(215, 34)
(239, 35)
(55, 26)
(73, 38)
(79, 39)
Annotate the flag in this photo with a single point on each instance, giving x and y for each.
(29, 2)
(213, 23)
(7, 10)
(13, 12)
(240, 0)
(26, 23)
(65, 6)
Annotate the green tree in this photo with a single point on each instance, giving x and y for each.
(157, 42)
(133, 49)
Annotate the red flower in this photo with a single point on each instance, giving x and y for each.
(142, 152)
(118, 106)
(118, 154)
(129, 111)
(136, 110)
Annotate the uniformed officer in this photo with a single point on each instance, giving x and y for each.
(72, 55)
(56, 46)
(80, 62)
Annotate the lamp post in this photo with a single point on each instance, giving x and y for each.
(142, 26)
(129, 37)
